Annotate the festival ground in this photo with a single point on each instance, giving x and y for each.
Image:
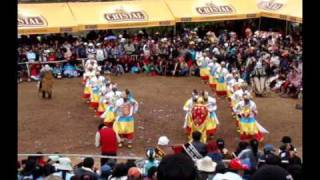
(65, 124)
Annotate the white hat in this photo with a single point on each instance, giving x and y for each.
(54, 157)
(227, 176)
(206, 164)
(90, 44)
(64, 164)
(163, 141)
(85, 43)
(98, 44)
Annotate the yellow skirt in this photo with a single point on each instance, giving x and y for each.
(212, 81)
(204, 73)
(124, 125)
(221, 89)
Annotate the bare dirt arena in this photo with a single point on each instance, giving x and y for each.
(65, 124)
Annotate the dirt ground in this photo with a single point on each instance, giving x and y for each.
(65, 124)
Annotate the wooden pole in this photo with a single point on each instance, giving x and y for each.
(259, 23)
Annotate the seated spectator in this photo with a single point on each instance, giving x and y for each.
(178, 166)
(269, 172)
(163, 148)
(134, 173)
(184, 69)
(200, 147)
(70, 71)
(152, 174)
(119, 172)
(57, 71)
(86, 169)
(64, 169)
(213, 151)
(105, 172)
(227, 176)
(150, 162)
(224, 151)
(206, 168)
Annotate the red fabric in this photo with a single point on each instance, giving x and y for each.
(189, 63)
(94, 104)
(205, 78)
(52, 57)
(127, 136)
(108, 124)
(86, 96)
(177, 149)
(211, 132)
(99, 113)
(108, 140)
(221, 93)
(258, 137)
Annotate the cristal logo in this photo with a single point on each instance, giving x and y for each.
(31, 21)
(122, 15)
(270, 5)
(211, 8)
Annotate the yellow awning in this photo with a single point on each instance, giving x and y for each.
(121, 14)
(290, 10)
(45, 18)
(212, 10)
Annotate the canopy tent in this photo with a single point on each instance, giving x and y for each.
(45, 19)
(290, 10)
(212, 10)
(121, 14)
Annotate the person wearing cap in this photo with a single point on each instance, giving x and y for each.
(187, 107)
(126, 107)
(199, 120)
(204, 70)
(271, 172)
(150, 162)
(94, 98)
(101, 54)
(134, 173)
(220, 75)
(206, 168)
(213, 66)
(211, 104)
(246, 110)
(227, 176)
(46, 81)
(91, 51)
(64, 169)
(102, 101)
(109, 114)
(163, 148)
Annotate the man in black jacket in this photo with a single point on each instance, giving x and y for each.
(87, 169)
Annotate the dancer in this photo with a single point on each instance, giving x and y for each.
(221, 73)
(249, 127)
(188, 106)
(213, 66)
(199, 120)
(124, 123)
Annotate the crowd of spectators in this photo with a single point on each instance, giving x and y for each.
(171, 55)
(247, 162)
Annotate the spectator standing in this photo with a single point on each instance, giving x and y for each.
(107, 139)
(151, 162)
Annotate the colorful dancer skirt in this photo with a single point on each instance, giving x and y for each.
(109, 116)
(94, 103)
(124, 126)
(221, 89)
(86, 93)
(249, 130)
(207, 128)
(212, 82)
(101, 109)
(204, 73)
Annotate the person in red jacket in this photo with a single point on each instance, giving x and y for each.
(107, 139)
